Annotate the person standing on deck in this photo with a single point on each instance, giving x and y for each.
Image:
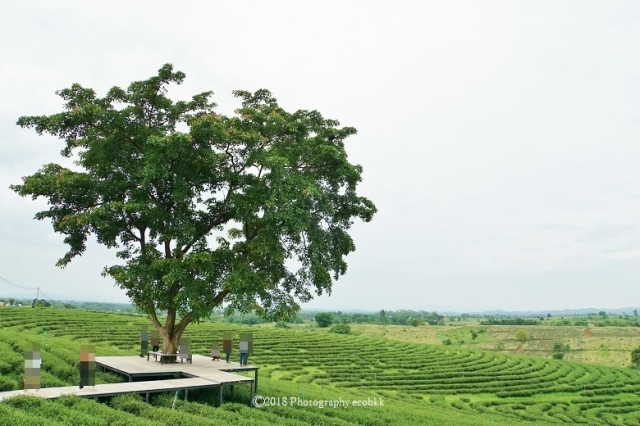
(144, 341)
(155, 340)
(244, 348)
(32, 362)
(87, 366)
(227, 344)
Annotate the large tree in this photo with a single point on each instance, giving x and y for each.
(249, 211)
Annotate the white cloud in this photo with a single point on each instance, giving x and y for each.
(498, 139)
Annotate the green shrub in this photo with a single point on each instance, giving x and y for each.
(559, 347)
(129, 403)
(522, 335)
(305, 379)
(415, 322)
(287, 377)
(341, 329)
(635, 357)
(436, 399)
(25, 402)
(7, 384)
(324, 319)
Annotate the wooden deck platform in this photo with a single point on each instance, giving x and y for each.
(135, 366)
(201, 373)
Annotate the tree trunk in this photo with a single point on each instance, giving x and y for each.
(171, 333)
(170, 346)
(171, 339)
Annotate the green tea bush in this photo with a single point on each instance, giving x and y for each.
(340, 329)
(436, 399)
(7, 384)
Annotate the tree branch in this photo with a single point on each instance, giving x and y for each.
(143, 241)
(218, 299)
(254, 232)
(154, 319)
(189, 316)
(167, 249)
(219, 219)
(134, 236)
(183, 323)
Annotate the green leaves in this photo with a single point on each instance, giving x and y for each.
(277, 184)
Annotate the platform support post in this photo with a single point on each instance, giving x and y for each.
(255, 381)
(221, 389)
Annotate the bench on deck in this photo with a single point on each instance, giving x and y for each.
(161, 355)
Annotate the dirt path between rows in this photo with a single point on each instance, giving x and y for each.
(588, 333)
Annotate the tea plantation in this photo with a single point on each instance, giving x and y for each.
(418, 384)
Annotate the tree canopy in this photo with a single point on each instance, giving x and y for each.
(324, 319)
(635, 358)
(250, 210)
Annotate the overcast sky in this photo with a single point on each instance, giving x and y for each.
(500, 141)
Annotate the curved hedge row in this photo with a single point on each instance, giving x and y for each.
(576, 392)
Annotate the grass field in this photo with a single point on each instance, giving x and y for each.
(609, 346)
(418, 383)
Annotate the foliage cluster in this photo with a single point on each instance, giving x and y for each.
(635, 358)
(340, 329)
(324, 319)
(401, 317)
(203, 218)
(522, 335)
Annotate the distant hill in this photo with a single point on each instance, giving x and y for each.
(555, 313)
(345, 311)
(30, 295)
